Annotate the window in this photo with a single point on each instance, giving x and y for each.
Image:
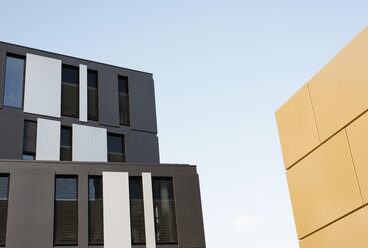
(14, 75)
(92, 95)
(66, 211)
(66, 144)
(95, 210)
(4, 186)
(124, 101)
(29, 140)
(70, 91)
(136, 210)
(115, 148)
(164, 210)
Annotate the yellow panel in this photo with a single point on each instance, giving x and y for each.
(297, 128)
(323, 186)
(358, 139)
(339, 91)
(349, 232)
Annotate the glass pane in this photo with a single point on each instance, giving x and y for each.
(4, 187)
(14, 74)
(66, 211)
(95, 212)
(115, 148)
(124, 101)
(92, 96)
(28, 157)
(66, 144)
(164, 210)
(29, 138)
(70, 91)
(136, 210)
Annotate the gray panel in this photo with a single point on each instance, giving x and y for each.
(188, 211)
(31, 210)
(141, 147)
(2, 74)
(11, 133)
(108, 97)
(142, 103)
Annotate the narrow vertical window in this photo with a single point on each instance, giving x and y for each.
(92, 95)
(66, 210)
(70, 91)
(164, 210)
(14, 77)
(124, 101)
(95, 210)
(29, 140)
(4, 189)
(66, 144)
(136, 210)
(115, 148)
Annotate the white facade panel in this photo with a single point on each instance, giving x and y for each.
(148, 210)
(83, 96)
(116, 210)
(48, 140)
(42, 90)
(89, 144)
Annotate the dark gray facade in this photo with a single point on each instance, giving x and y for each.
(167, 203)
(141, 139)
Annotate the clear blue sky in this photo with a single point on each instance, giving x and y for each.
(221, 70)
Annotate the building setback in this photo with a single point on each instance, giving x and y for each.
(79, 159)
(323, 131)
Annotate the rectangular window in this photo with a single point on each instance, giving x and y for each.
(4, 189)
(164, 210)
(66, 144)
(70, 91)
(124, 101)
(115, 148)
(136, 210)
(29, 140)
(95, 210)
(92, 95)
(14, 77)
(66, 210)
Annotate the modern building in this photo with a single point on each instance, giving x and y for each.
(79, 159)
(323, 131)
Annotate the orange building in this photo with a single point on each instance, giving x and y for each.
(323, 132)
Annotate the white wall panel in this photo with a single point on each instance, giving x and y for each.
(48, 140)
(148, 210)
(89, 144)
(42, 91)
(116, 210)
(83, 96)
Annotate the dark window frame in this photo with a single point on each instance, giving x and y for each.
(77, 201)
(123, 152)
(127, 122)
(35, 141)
(130, 201)
(24, 58)
(97, 96)
(158, 242)
(71, 142)
(89, 233)
(67, 66)
(7, 207)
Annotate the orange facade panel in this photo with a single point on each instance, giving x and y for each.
(358, 139)
(297, 128)
(351, 231)
(339, 91)
(323, 186)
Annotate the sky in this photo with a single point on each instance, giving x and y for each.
(221, 70)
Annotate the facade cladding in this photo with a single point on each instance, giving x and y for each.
(79, 159)
(323, 131)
